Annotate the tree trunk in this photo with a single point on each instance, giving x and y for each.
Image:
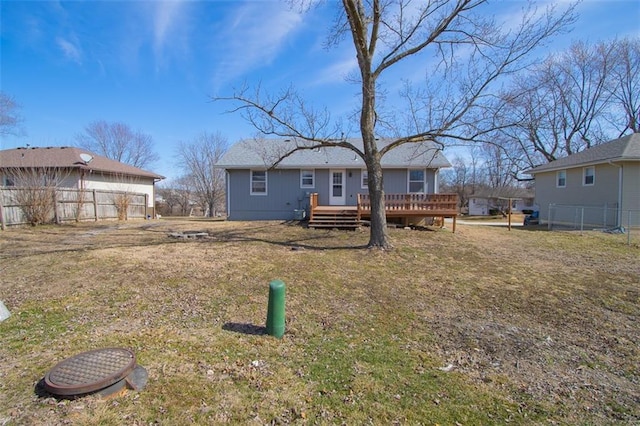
(378, 236)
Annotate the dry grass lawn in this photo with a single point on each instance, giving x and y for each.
(484, 326)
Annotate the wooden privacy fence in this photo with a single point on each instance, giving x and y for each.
(65, 204)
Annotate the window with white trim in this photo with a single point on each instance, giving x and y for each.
(588, 176)
(307, 178)
(364, 183)
(561, 179)
(417, 182)
(258, 182)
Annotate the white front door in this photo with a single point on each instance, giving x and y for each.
(336, 188)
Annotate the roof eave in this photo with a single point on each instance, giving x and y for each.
(322, 166)
(547, 168)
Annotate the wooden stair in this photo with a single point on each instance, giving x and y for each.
(334, 218)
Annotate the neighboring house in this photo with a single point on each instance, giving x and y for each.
(256, 191)
(489, 200)
(78, 169)
(604, 181)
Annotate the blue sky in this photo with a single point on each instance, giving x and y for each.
(154, 65)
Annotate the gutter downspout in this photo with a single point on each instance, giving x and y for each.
(619, 218)
(436, 183)
(228, 182)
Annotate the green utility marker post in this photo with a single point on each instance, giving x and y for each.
(275, 310)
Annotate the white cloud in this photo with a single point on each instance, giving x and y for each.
(252, 37)
(168, 19)
(338, 71)
(71, 51)
(166, 14)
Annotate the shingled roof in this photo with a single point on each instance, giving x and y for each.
(68, 158)
(626, 148)
(252, 153)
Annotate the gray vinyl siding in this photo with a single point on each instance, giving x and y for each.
(284, 194)
(631, 187)
(353, 186)
(603, 193)
(396, 181)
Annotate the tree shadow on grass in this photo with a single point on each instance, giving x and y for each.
(80, 238)
(305, 243)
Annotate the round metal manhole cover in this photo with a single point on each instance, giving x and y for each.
(90, 371)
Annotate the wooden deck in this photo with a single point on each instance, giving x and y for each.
(404, 206)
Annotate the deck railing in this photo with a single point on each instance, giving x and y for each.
(407, 206)
(429, 204)
(404, 206)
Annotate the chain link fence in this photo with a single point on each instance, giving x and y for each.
(595, 218)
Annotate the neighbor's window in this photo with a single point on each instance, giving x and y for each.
(589, 174)
(365, 179)
(416, 181)
(8, 181)
(258, 182)
(307, 178)
(561, 179)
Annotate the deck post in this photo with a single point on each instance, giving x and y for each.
(313, 203)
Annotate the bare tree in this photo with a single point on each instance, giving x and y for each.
(118, 142)
(458, 180)
(198, 158)
(565, 105)
(624, 85)
(181, 194)
(468, 175)
(177, 193)
(124, 195)
(470, 53)
(35, 191)
(10, 117)
(184, 194)
(499, 168)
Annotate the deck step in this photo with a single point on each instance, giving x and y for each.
(347, 219)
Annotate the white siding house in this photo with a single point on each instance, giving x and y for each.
(76, 168)
(482, 202)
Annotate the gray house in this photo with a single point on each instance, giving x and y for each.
(258, 191)
(600, 184)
